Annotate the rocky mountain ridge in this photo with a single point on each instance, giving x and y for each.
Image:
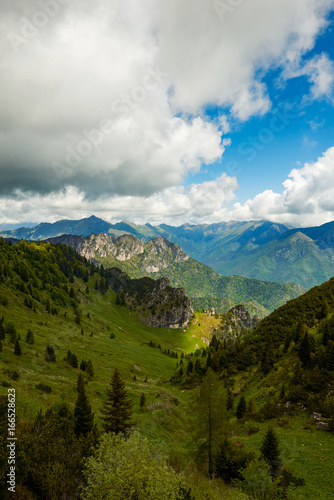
(159, 258)
(253, 249)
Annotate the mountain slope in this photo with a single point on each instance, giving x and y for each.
(254, 249)
(159, 257)
(295, 257)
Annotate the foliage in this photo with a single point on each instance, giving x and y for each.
(117, 408)
(130, 469)
(211, 418)
(83, 416)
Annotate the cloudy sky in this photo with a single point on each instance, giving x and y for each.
(178, 111)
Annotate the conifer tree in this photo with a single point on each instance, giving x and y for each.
(300, 332)
(117, 409)
(210, 409)
(84, 418)
(241, 408)
(304, 350)
(198, 366)
(190, 367)
(142, 402)
(30, 337)
(229, 400)
(17, 348)
(270, 450)
(89, 368)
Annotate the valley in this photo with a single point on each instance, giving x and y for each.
(160, 363)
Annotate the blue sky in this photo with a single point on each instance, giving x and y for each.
(159, 111)
(265, 161)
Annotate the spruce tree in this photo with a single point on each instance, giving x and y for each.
(30, 337)
(84, 418)
(229, 400)
(117, 409)
(304, 350)
(17, 349)
(142, 400)
(89, 368)
(270, 450)
(241, 408)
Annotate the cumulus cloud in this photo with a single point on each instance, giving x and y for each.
(107, 100)
(307, 198)
(320, 73)
(175, 204)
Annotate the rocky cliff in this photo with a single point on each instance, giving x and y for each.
(236, 321)
(157, 303)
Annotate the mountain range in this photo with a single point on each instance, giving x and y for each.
(256, 249)
(159, 258)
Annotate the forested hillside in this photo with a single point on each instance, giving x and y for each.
(69, 328)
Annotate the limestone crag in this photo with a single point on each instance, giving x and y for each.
(103, 245)
(237, 320)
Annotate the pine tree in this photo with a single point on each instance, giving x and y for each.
(84, 418)
(117, 409)
(89, 368)
(198, 366)
(270, 450)
(241, 408)
(229, 400)
(268, 358)
(304, 350)
(300, 332)
(30, 337)
(210, 410)
(142, 402)
(17, 349)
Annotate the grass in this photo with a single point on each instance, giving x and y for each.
(165, 417)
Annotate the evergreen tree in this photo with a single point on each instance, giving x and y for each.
(270, 450)
(117, 409)
(210, 409)
(198, 366)
(304, 350)
(268, 358)
(73, 360)
(84, 418)
(229, 400)
(89, 368)
(241, 408)
(300, 332)
(50, 353)
(190, 367)
(142, 402)
(30, 337)
(17, 349)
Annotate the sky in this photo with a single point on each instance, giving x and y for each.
(180, 111)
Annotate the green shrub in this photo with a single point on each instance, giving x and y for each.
(43, 388)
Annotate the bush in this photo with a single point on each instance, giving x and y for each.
(130, 468)
(43, 388)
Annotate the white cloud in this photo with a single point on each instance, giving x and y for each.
(320, 73)
(307, 198)
(176, 204)
(93, 62)
(150, 68)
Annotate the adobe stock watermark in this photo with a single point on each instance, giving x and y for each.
(93, 138)
(225, 7)
(39, 20)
